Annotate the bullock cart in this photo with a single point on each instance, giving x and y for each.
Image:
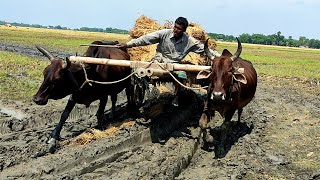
(142, 71)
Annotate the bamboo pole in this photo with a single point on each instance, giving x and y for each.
(104, 61)
(98, 45)
(128, 63)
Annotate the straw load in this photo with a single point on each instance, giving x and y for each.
(142, 26)
(198, 33)
(145, 25)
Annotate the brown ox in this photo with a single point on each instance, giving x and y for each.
(232, 85)
(62, 79)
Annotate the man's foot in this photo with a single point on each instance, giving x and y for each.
(175, 101)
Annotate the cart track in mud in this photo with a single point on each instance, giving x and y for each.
(280, 130)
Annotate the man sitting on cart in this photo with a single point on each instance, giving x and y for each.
(174, 45)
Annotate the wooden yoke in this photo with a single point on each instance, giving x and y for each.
(143, 68)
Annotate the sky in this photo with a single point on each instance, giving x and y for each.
(230, 17)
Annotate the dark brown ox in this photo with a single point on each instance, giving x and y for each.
(232, 85)
(62, 79)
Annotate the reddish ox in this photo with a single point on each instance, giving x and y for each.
(62, 79)
(232, 85)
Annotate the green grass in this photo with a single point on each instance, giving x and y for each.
(21, 75)
(285, 67)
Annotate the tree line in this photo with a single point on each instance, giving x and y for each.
(274, 39)
(106, 30)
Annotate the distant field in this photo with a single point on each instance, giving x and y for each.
(280, 61)
(20, 72)
(65, 40)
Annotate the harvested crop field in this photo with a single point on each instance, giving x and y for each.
(278, 137)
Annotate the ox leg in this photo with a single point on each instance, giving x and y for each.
(203, 123)
(177, 88)
(113, 107)
(239, 116)
(225, 128)
(205, 117)
(100, 112)
(55, 135)
(129, 94)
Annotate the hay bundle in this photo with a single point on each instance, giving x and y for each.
(142, 53)
(196, 31)
(199, 34)
(168, 24)
(145, 25)
(142, 26)
(94, 134)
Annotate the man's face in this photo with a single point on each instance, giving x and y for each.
(178, 30)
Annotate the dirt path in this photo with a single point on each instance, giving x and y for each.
(278, 138)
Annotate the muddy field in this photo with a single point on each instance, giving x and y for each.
(278, 138)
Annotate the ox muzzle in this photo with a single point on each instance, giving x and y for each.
(39, 101)
(218, 96)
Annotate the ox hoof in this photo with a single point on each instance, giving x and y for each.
(52, 145)
(207, 137)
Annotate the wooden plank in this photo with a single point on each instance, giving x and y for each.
(128, 63)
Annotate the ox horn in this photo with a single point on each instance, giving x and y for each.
(207, 51)
(237, 54)
(45, 52)
(68, 64)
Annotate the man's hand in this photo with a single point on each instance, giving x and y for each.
(122, 45)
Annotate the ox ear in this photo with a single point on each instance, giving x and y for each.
(204, 74)
(225, 52)
(239, 76)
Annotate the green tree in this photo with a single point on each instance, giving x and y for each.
(280, 39)
(258, 39)
(58, 27)
(303, 41)
(246, 38)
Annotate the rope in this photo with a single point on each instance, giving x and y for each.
(123, 79)
(174, 78)
(105, 83)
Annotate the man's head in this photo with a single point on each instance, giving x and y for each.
(180, 26)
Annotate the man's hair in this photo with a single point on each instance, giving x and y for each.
(182, 21)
